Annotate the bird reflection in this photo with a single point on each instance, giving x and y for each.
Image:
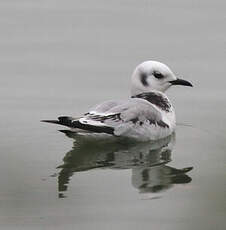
(148, 161)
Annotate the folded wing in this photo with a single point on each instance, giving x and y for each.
(122, 117)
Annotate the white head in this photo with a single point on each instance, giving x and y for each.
(153, 75)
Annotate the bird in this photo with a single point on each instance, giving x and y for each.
(148, 115)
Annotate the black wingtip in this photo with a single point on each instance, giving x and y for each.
(69, 122)
(51, 121)
(63, 120)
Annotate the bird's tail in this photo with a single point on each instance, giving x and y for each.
(73, 123)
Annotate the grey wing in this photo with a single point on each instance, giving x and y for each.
(104, 107)
(138, 110)
(135, 117)
(133, 110)
(99, 109)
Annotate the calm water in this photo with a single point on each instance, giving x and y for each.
(60, 58)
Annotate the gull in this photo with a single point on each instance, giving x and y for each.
(147, 115)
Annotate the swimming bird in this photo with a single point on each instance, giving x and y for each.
(147, 115)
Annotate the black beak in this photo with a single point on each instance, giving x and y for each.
(181, 82)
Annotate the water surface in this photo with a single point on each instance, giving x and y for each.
(60, 58)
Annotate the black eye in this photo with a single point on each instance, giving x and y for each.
(158, 75)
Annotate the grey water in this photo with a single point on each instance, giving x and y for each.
(62, 57)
